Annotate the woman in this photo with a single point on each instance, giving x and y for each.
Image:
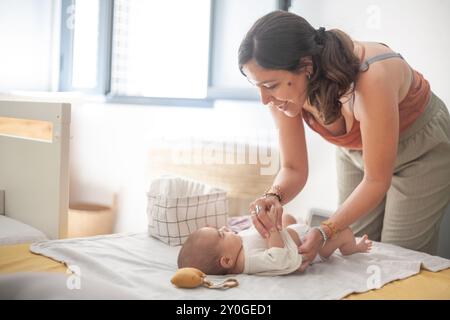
(392, 133)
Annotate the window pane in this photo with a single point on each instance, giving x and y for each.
(160, 48)
(85, 44)
(233, 18)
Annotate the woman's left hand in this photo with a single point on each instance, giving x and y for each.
(310, 247)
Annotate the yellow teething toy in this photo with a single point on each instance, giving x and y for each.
(188, 278)
(193, 278)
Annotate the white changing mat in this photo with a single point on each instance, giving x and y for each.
(146, 265)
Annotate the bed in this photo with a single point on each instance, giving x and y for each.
(34, 193)
(135, 266)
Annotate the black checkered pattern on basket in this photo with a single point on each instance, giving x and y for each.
(172, 220)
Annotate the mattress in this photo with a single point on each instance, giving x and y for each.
(13, 232)
(159, 264)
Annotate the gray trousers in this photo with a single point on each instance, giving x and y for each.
(412, 209)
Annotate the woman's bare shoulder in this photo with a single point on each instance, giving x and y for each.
(389, 77)
(394, 71)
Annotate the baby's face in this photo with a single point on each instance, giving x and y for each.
(229, 241)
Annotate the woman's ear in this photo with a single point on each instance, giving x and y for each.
(226, 262)
(306, 65)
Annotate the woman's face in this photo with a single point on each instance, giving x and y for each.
(282, 89)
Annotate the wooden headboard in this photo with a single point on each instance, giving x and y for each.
(34, 164)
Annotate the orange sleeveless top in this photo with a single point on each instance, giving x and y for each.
(410, 108)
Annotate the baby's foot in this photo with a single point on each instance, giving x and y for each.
(364, 244)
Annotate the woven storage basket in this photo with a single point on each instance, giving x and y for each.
(178, 206)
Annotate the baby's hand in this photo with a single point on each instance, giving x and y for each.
(272, 215)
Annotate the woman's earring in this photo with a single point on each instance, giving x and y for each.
(308, 75)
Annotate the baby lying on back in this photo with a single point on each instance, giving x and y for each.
(221, 251)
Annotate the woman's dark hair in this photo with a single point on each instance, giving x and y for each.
(280, 39)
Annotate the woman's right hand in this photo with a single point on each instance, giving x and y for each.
(262, 221)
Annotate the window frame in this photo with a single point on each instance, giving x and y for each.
(103, 54)
(104, 67)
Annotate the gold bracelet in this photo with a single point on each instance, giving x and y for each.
(328, 231)
(331, 226)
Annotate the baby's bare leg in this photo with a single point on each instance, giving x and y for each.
(287, 220)
(294, 236)
(346, 243)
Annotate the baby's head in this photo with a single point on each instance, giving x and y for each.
(211, 250)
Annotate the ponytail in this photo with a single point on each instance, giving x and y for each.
(335, 70)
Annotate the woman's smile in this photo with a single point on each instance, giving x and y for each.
(281, 105)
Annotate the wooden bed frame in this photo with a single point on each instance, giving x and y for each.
(34, 164)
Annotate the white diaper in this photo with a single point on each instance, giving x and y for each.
(302, 230)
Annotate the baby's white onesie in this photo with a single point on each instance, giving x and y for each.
(269, 261)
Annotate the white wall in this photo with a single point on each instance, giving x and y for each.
(26, 44)
(111, 144)
(416, 29)
(110, 147)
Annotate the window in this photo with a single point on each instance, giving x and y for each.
(85, 44)
(232, 19)
(160, 48)
(157, 52)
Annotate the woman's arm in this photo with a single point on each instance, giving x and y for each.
(294, 168)
(379, 121)
(377, 111)
(293, 154)
(291, 182)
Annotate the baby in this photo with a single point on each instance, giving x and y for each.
(221, 251)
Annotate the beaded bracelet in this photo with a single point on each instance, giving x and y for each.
(274, 190)
(324, 235)
(273, 194)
